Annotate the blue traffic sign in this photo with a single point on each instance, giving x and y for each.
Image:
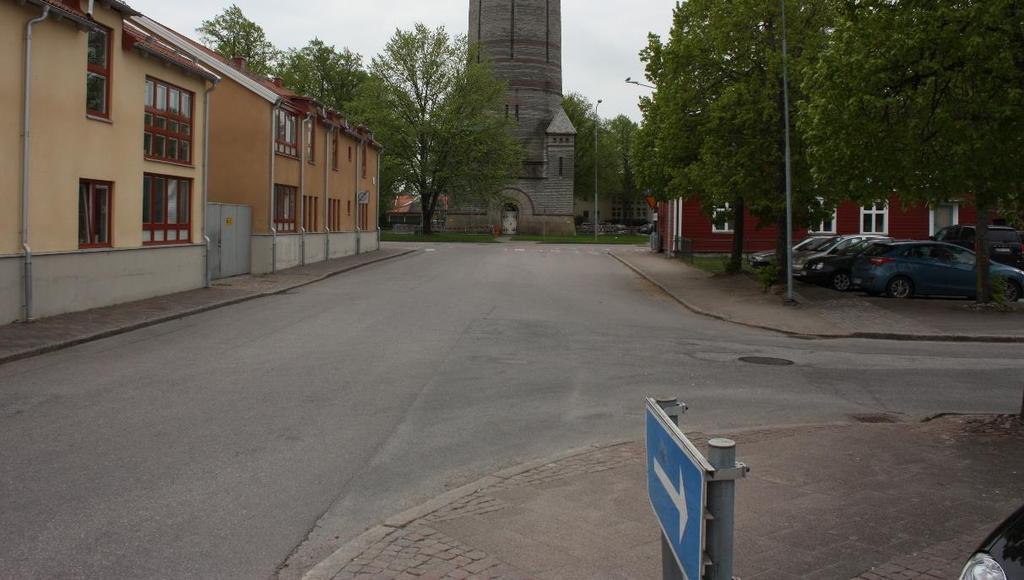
(676, 484)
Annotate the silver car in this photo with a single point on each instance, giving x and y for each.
(837, 245)
(809, 245)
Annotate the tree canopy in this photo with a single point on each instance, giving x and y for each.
(317, 70)
(439, 114)
(233, 35)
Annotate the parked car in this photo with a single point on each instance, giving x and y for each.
(840, 244)
(834, 270)
(1006, 245)
(906, 269)
(811, 244)
(1001, 555)
(645, 229)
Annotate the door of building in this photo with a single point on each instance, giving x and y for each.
(510, 220)
(230, 229)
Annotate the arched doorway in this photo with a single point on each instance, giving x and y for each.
(510, 219)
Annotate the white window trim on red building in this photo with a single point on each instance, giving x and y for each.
(875, 211)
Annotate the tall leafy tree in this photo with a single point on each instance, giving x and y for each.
(584, 117)
(321, 71)
(714, 127)
(439, 116)
(924, 98)
(233, 35)
(620, 134)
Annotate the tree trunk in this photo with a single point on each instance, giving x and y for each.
(428, 214)
(983, 250)
(738, 236)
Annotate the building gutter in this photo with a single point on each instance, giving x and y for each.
(207, 277)
(358, 169)
(25, 166)
(273, 162)
(330, 148)
(380, 153)
(302, 182)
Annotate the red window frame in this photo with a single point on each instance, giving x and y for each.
(169, 118)
(334, 151)
(311, 144)
(285, 198)
(104, 71)
(287, 137)
(365, 150)
(92, 192)
(310, 213)
(334, 214)
(350, 154)
(159, 226)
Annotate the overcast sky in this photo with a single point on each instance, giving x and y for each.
(601, 38)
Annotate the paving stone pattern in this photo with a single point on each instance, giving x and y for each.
(822, 502)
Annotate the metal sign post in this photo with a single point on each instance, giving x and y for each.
(692, 498)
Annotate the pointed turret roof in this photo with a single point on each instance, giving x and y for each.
(561, 125)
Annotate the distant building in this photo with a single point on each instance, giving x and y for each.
(523, 39)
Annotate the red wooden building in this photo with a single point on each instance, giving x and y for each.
(684, 219)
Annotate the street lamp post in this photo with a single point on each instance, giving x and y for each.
(597, 128)
(789, 164)
(639, 84)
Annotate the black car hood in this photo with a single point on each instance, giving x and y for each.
(1006, 545)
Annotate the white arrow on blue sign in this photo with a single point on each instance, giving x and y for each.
(676, 485)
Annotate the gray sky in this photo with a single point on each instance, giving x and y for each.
(601, 38)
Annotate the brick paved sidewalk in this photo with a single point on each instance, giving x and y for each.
(864, 501)
(19, 340)
(823, 312)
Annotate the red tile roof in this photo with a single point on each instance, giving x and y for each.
(135, 37)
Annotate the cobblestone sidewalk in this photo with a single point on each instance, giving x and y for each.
(20, 340)
(822, 502)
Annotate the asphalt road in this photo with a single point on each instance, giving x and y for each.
(227, 443)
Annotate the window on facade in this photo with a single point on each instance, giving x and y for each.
(348, 207)
(827, 225)
(166, 209)
(875, 219)
(310, 213)
(363, 218)
(334, 152)
(944, 215)
(94, 215)
(284, 208)
(334, 214)
(721, 220)
(350, 154)
(97, 76)
(310, 137)
(517, 112)
(168, 123)
(561, 166)
(287, 138)
(364, 161)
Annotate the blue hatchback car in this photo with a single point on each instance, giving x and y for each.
(906, 269)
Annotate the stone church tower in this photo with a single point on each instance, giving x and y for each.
(523, 40)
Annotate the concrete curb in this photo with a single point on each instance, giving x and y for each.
(33, 352)
(333, 564)
(858, 335)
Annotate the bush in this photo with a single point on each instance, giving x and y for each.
(999, 287)
(768, 276)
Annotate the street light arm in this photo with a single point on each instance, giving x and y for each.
(629, 80)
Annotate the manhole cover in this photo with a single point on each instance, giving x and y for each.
(766, 360)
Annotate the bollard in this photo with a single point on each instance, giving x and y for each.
(669, 567)
(722, 506)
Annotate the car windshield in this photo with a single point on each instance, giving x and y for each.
(840, 244)
(831, 243)
(813, 243)
(855, 249)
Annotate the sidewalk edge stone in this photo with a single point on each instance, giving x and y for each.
(331, 565)
(858, 335)
(38, 351)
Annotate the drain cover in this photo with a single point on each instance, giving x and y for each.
(766, 360)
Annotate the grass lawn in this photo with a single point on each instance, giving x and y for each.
(448, 238)
(583, 239)
(716, 264)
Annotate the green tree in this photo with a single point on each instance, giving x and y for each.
(924, 98)
(714, 127)
(439, 116)
(329, 75)
(609, 175)
(233, 35)
(620, 134)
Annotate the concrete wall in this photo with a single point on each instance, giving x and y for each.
(316, 248)
(368, 242)
(69, 282)
(343, 244)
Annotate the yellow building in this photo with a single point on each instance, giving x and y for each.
(102, 159)
(297, 179)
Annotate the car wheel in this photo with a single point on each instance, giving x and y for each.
(841, 281)
(900, 287)
(1013, 292)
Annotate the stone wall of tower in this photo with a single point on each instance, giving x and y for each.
(523, 41)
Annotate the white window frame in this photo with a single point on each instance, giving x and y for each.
(835, 218)
(876, 209)
(931, 217)
(727, 227)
